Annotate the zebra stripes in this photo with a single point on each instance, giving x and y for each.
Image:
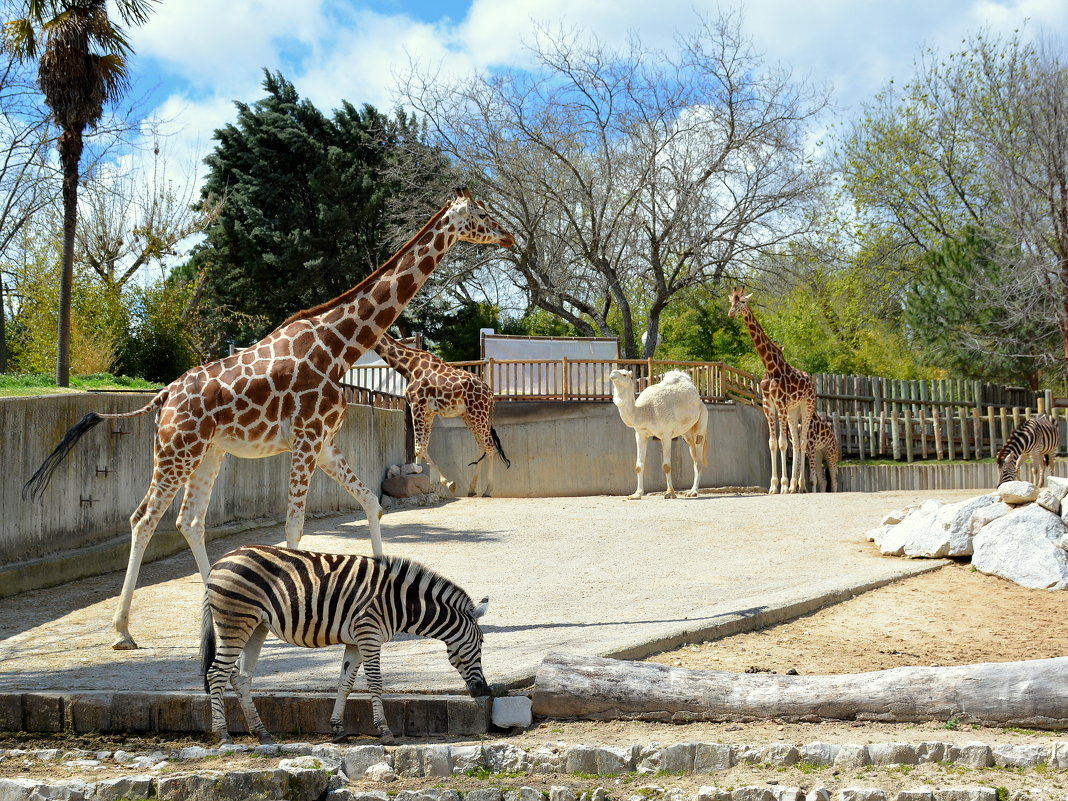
(319, 599)
(1038, 438)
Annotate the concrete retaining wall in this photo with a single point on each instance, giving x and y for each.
(583, 448)
(85, 506)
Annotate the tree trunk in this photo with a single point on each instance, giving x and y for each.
(70, 155)
(1031, 694)
(3, 328)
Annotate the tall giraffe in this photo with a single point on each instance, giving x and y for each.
(439, 389)
(281, 394)
(786, 392)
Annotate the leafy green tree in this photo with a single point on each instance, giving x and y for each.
(83, 63)
(973, 145)
(962, 328)
(306, 210)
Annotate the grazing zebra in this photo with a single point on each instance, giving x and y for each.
(1038, 438)
(317, 599)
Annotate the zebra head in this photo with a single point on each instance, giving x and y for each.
(465, 650)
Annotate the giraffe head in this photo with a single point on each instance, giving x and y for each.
(739, 302)
(473, 222)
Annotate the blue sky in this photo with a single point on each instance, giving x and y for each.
(196, 57)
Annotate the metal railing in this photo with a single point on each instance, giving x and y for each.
(582, 379)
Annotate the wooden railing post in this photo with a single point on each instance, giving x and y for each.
(565, 378)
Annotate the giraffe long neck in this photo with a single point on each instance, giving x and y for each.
(357, 318)
(397, 356)
(769, 352)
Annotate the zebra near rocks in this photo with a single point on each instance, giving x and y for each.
(318, 599)
(1038, 438)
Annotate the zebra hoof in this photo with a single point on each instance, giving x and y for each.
(225, 739)
(386, 736)
(266, 739)
(124, 643)
(340, 737)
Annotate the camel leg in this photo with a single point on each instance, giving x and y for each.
(333, 463)
(665, 451)
(693, 442)
(642, 443)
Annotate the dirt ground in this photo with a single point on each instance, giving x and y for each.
(952, 616)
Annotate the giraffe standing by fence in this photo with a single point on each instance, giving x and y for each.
(439, 389)
(822, 447)
(788, 398)
(281, 394)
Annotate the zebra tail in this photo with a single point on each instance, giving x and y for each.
(500, 450)
(207, 641)
(39, 480)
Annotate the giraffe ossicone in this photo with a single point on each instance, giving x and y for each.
(281, 394)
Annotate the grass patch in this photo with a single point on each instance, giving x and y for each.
(20, 384)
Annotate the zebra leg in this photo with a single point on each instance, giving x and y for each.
(370, 651)
(241, 679)
(350, 664)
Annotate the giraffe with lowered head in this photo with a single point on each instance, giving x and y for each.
(281, 394)
(439, 389)
(788, 398)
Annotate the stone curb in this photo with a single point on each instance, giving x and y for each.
(283, 714)
(307, 772)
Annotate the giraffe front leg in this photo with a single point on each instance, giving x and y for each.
(422, 426)
(350, 664)
(773, 445)
(642, 443)
(333, 463)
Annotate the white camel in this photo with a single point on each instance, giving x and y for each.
(672, 408)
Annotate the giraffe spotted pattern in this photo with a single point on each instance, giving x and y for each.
(280, 394)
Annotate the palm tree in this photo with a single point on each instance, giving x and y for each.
(82, 64)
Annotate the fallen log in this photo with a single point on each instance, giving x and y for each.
(1032, 694)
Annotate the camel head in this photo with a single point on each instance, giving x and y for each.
(739, 302)
(621, 378)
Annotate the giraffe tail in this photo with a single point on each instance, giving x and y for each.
(39, 480)
(500, 450)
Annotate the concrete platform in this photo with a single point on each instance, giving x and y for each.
(592, 575)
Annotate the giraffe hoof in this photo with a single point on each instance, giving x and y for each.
(124, 643)
(688, 494)
(670, 495)
(635, 497)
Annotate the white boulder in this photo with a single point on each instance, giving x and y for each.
(1016, 492)
(900, 539)
(1023, 547)
(986, 514)
(1049, 501)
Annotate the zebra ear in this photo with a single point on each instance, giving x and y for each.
(481, 607)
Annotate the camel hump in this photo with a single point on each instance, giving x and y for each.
(676, 377)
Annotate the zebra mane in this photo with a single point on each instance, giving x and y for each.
(401, 566)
